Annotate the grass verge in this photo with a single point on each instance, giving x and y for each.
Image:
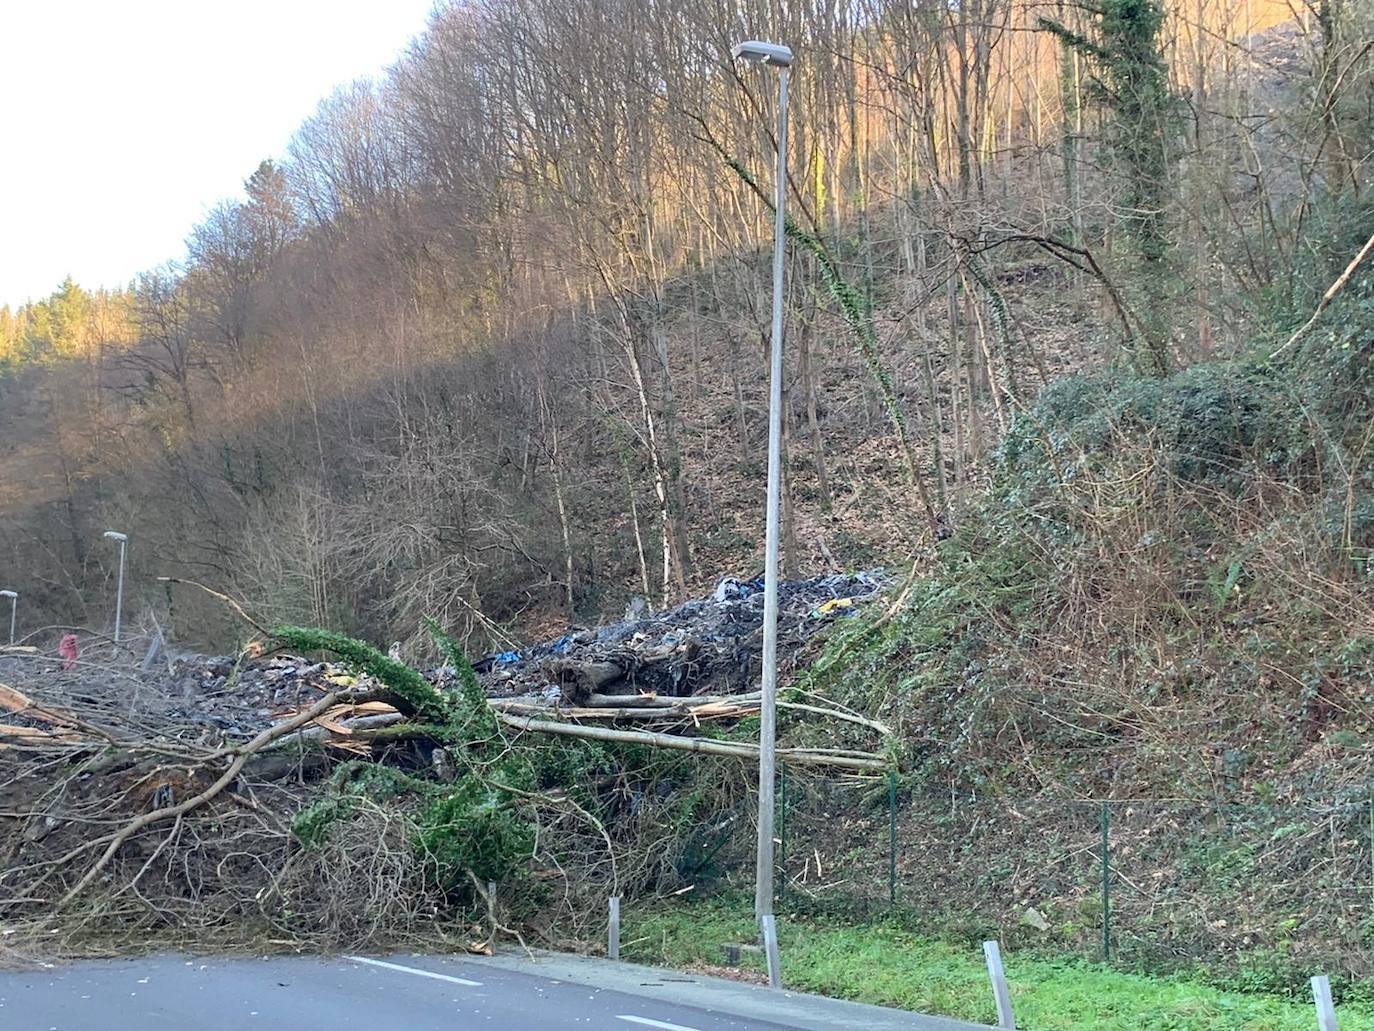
(881, 964)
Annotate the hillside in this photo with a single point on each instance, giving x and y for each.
(1078, 513)
(383, 388)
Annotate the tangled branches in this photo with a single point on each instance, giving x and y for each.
(333, 825)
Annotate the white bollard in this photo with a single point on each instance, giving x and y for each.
(1326, 1009)
(613, 933)
(993, 954)
(768, 924)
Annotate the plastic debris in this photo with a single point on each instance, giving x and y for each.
(841, 606)
(70, 650)
(709, 645)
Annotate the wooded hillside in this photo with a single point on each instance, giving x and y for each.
(489, 343)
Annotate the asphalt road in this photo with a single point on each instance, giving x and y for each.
(413, 993)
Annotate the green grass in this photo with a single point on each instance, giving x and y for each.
(881, 964)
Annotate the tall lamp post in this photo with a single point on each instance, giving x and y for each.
(13, 596)
(122, 540)
(779, 57)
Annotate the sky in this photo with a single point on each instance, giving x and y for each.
(122, 122)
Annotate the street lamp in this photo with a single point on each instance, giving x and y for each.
(13, 596)
(123, 540)
(779, 57)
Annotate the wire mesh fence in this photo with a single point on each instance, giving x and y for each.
(1267, 890)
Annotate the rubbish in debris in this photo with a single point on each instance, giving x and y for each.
(843, 606)
(731, 588)
(70, 650)
(707, 646)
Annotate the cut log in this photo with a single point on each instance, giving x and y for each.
(580, 679)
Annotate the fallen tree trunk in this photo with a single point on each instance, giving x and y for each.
(612, 701)
(339, 731)
(715, 710)
(651, 707)
(734, 749)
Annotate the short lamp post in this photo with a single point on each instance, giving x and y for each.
(13, 596)
(123, 541)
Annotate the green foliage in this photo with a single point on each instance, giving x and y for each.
(350, 782)
(312, 825)
(479, 719)
(474, 825)
(884, 964)
(412, 689)
(1212, 423)
(474, 828)
(1219, 423)
(479, 825)
(469, 826)
(70, 323)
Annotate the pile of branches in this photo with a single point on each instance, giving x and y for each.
(354, 800)
(323, 827)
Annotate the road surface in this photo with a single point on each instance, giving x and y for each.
(414, 993)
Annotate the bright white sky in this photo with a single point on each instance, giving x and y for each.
(124, 121)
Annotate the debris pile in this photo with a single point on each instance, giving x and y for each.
(165, 796)
(706, 646)
(701, 659)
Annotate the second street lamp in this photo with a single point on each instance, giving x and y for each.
(780, 57)
(123, 540)
(13, 596)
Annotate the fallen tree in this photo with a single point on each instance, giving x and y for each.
(263, 788)
(703, 746)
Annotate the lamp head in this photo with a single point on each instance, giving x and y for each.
(8, 594)
(116, 536)
(775, 54)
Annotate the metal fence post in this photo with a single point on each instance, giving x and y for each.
(769, 927)
(491, 908)
(782, 832)
(892, 837)
(1326, 1010)
(993, 954)
(1106, 883)
(613, 929)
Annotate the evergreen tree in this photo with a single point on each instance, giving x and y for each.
(59, 325)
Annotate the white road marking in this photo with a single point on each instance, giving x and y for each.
(654, 1023)
(416, 971)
